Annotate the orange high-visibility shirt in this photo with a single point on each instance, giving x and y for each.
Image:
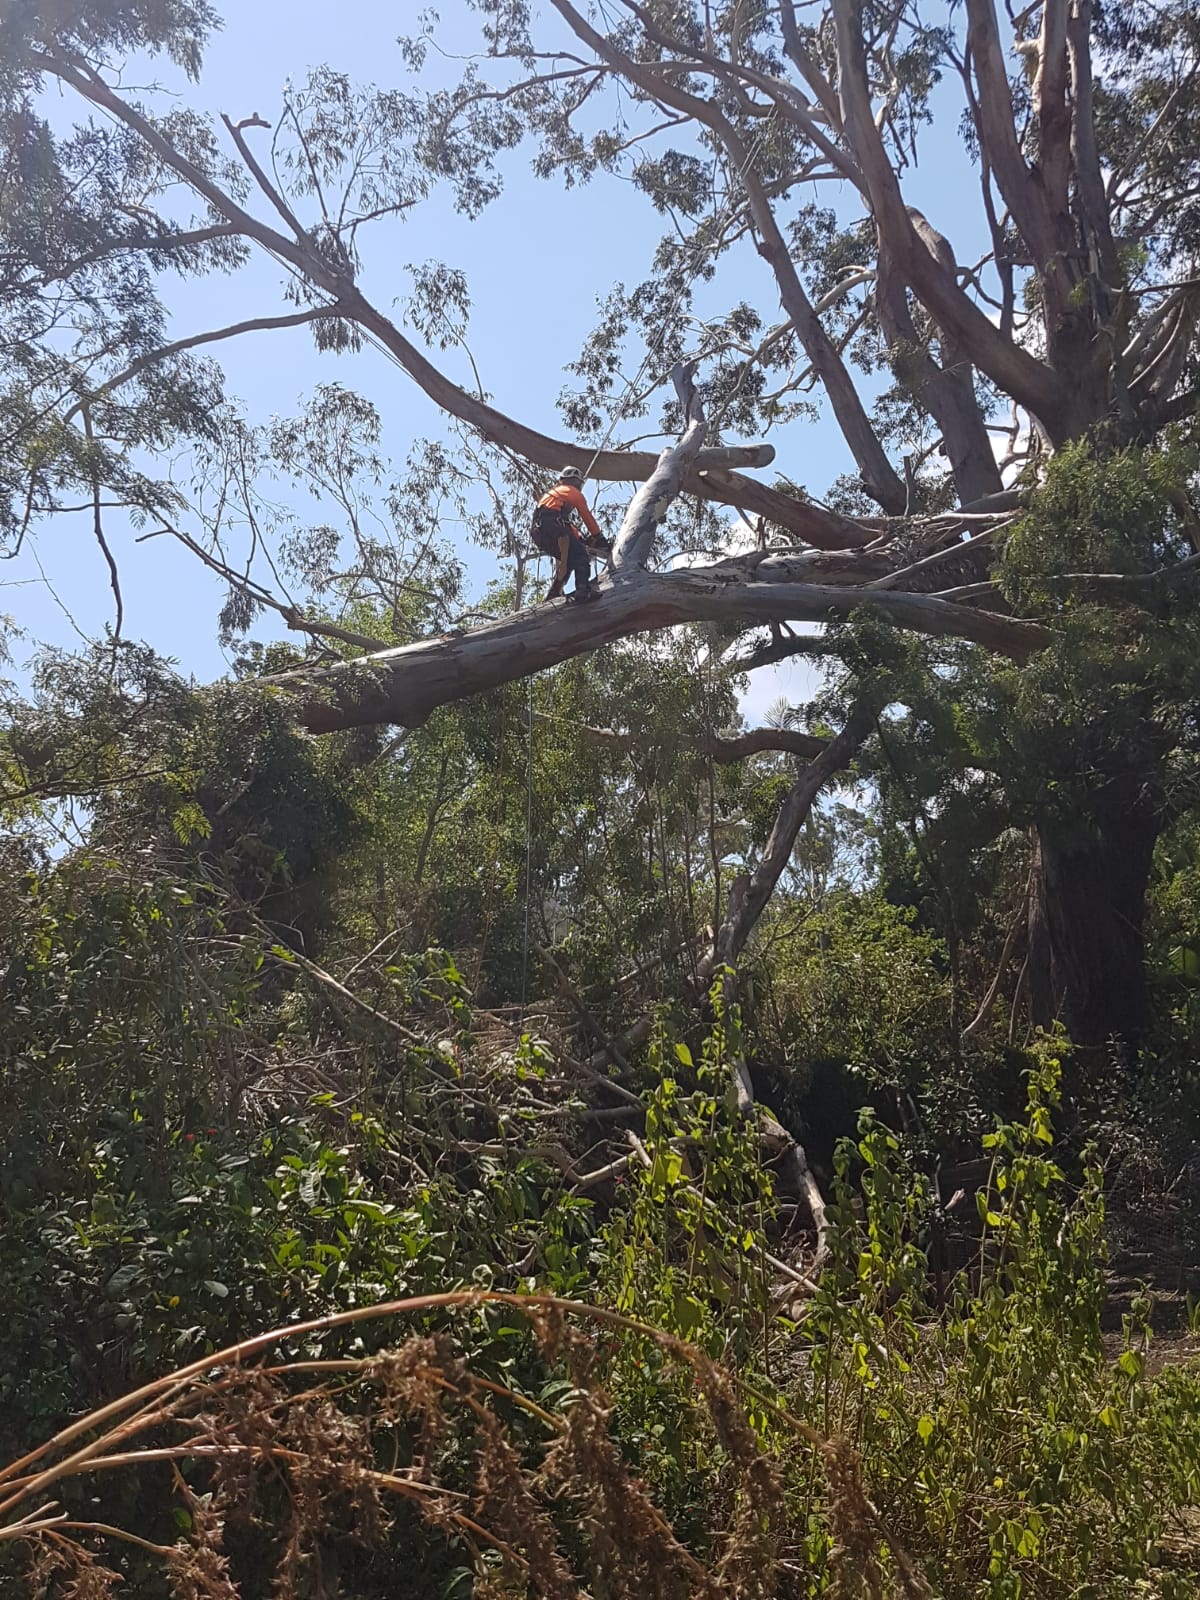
(565, 496)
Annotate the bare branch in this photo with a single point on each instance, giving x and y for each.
(879, 477)
(260, 177)
(295, 319)
(997, 130)
(785, 647)
(114, 576)
(263, 597)
(1053, 113)
(1089, 177)
(947, 394)
(799, 57)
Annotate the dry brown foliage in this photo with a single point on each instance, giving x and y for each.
(320, 1450)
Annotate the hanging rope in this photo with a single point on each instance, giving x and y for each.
(699, 251)
(489, 910)
(528, 852)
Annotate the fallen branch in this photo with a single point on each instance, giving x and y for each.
(950, 552)
(609, 1047)
(404, 685)
(294, 958)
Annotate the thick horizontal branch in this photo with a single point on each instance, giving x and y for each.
(405, 685)
(838, 567)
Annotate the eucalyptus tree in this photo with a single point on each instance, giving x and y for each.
(1019, 423)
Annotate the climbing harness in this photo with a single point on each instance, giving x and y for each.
(550, 524)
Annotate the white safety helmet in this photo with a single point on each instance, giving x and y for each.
(571, 475)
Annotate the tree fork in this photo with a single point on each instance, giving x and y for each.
(711, 476)
(748, 899)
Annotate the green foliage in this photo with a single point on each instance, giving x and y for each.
(856, 1009)
(1120, 511)
(860, 980)
(1010, 1443)
(687, 1252)
(204, 1131)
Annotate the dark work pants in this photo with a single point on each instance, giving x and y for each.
(573, 559)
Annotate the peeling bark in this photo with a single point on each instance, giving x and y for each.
(654, 499)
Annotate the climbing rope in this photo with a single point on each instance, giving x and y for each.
(528, 852)
(688, 269)
(493, 861)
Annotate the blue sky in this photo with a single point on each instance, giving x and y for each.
(527, 322)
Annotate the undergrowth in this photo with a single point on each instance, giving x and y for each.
(889, 1438)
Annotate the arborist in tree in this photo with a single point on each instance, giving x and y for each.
(555, 534)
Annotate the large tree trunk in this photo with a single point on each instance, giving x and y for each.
(1086, 916)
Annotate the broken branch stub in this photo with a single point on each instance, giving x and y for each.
(653, 500)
